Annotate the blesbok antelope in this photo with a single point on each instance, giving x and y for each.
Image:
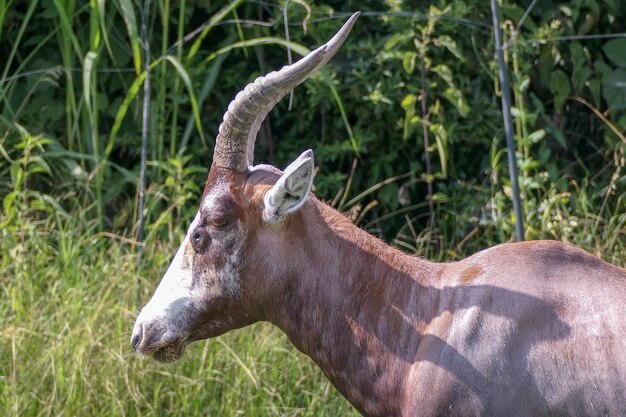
(525, 329)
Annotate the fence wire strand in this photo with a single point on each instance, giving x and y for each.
(476, 25)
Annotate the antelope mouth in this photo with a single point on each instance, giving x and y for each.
(166, 352)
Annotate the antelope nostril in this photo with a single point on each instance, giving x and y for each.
(136, 338)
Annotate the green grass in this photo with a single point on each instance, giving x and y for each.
(66, 319)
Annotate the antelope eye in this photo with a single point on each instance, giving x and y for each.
(199, 240)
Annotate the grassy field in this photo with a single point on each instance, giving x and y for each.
(68, 303)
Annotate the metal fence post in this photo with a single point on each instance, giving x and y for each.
(508, 122)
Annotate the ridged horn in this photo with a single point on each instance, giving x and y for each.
(234, 145)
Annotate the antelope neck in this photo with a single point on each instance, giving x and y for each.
(355, 307)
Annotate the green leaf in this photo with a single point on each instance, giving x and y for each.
(546, 64)
(445, 73)
(612, 7)
(342, 111)
(560, 87)
(441, 139)
(614, 89)
(408, 62)
(17, 175)
(75, 169)
(66, 25)
(537, 135)
(269, 40)
(577, 54)
(593, 6)
(595, 88)
(602, 67)
(130, 20)
(16, 40)
(7, 203)
(524, 84)
(408, 102)
(192, 96)
(3, 10)
(567, 10)
(37, 164)
(389, 195)
(121, 112)
(215, 19)
(615, 50)
(515, 12)
(408, 105)
(544, 153)
(455, 96)
(103, 29)
(207, 87)
(450, 44)
(580, 77)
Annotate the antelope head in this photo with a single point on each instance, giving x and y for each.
(232, 258)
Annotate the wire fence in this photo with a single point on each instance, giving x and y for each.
(339, 16)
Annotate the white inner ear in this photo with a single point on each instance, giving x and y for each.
(291, 190)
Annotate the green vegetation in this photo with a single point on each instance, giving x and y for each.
(68, 304)
(406, 128)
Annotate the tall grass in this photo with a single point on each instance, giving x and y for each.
(68, 301)
(65, 350)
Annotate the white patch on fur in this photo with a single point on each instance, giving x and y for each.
(173, 295)
(263, 167)
(291, 190)
(209, 201)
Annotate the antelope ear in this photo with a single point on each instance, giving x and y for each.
(291, 190)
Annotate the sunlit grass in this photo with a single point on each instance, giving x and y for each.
(65, 344)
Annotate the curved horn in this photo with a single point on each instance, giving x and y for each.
(234, 145)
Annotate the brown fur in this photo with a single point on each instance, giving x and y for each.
(494, 334)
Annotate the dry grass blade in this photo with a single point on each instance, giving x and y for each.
(602, 117)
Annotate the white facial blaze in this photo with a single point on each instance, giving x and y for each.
(209, 200)
(174, 292)
(195, 283)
